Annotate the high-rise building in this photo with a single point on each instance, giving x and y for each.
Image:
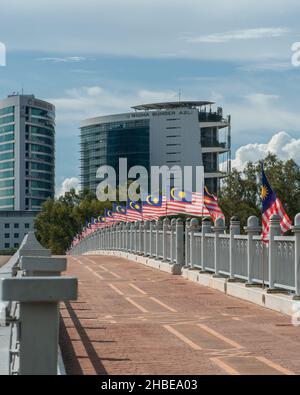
(27, 152)
(185, 133)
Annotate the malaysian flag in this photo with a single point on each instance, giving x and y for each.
(271, 205)
(101, 221)
(154, 206)
(109, 217)
(134, 211)
(197, 207)
(178, 202)
(211, 203)
(120, 212)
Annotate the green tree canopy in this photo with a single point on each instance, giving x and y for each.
(240, 193)
(60, 219)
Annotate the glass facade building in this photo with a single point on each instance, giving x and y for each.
(103, 144)
(172, 133)
(27, 152)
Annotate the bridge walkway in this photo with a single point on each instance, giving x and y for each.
(131, 319)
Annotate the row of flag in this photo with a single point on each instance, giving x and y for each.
(154, 207)
(181, 202)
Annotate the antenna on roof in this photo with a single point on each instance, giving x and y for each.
(179, 95)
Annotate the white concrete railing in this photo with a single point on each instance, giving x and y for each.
(232, 255)
(30, 291)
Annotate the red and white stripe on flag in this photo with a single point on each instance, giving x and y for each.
(285, 222)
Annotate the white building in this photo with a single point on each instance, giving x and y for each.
(27, 163)
(186, 133)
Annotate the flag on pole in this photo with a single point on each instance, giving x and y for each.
(212, 206)
(271, 205)
(178, 201)
(109, 216)
(120, 212)
(197, 207)
(134, 211)
(154, 207)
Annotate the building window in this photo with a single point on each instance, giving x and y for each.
(6, 235)
(16, 226)
(16, 245)
(6, 245)
(6, 226)
(27, 226)
(16, 235)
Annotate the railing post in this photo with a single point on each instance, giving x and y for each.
(187, 243)
(252, 229)
(127, 236)
(219, 228)
(194, 228)
(235, 229)
(274, 230)
(179, 242)
(141, 236)
(296, 230)
(166, 225)
(151, 247)
(159, 227)
(135, 236)
(206, 228)
(146, 241)
(173, 240)
(39, 299)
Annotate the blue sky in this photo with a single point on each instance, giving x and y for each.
(99, 57)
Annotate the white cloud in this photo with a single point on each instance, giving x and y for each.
(150, 28)
(245, 34)
(90, 101)
(66, 59)
(68, 184)
(281, 144)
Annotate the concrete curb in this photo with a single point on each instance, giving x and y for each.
(278, 302)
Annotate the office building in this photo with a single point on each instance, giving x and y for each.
(27, 164)
(185, 133)
(27, 152)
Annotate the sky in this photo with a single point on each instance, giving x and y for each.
(100, 57)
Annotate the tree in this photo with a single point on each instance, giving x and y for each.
(61, 219)
(240, 194)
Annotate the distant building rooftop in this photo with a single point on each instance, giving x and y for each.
(170, 105)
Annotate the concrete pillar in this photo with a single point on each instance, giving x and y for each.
(275, 230)
(151, 238)
(218, 229)
(179, 242)
(173, 240)
(252, 229)
(135, 247)
(127, 232)
(206, 228)
(146, 237)
(194, 228)
(235, 229)
(166, 225)
(296, 230)
(141, 237)
(187, 242)
(159, 227)
(39, 318)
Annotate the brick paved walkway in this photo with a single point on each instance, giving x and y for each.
(131, 319)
